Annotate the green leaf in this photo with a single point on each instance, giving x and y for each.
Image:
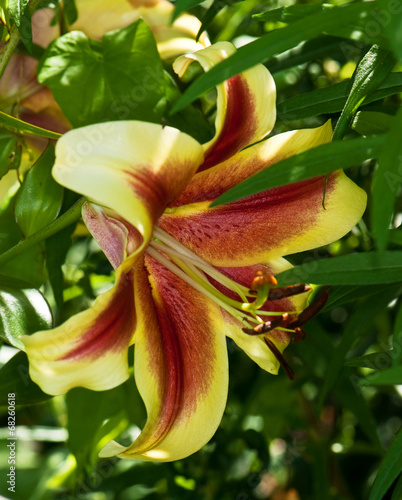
(356, 326)
(343, 294)
(183, 5)
(306, 52)
(291, 13)
(372, 70)
(14, 378)
(332, 99)
(57, 247)
(273, 43)
(311, 163)
(118, 78)
(389, 470)
(17, 125)
(86, 411)
(397, 338)
(372, 268)
(22, 18)
(371, 360)
(391, 376)
(395, 236)
(391, 19)
(39, 199)
(29, 266)
(387, 182)
(372, 122)
(397, 493)
(23, 311)
(70, 11)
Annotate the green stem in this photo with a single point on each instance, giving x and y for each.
(72, 215)
(15, 36)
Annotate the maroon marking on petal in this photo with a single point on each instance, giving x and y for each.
(239, 125)
(187, 353)
(113, 328)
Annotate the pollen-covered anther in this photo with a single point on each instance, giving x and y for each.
(262, 278)
(267, 326)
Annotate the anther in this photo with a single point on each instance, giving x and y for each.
(299, 335)
(310, 311)
(287, 291)
(262, 278)
(278, 355)
(267, 326)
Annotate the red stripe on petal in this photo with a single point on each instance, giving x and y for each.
(239, 125)
(245, 231)
(113, 327)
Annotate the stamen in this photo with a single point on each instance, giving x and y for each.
(287, 291)
(262, 284)
(310, 311)
(279, 356)
(267, 326)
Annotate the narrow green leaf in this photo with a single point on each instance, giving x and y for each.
(332, 99)
(15, 124)
(391, 376)
(387, 182)
(40, 197)
(372, 70)
(183, 5)
(23, 311)
(14, 379)
(371, 360)
(397, 493)
(370, 268)
(306, 52)
(391, 19)
(347, 293)
(357, 324)
(124, 70)
(372, 122)
(397, 338)
(274, 43)
(291, 13)
(317, 161)
(389, 470)
(354, 400)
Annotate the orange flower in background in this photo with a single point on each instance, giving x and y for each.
(183, 270)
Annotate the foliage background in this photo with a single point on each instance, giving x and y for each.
(333, 432)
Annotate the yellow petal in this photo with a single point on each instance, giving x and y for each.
(180, 365)
(245, 105)
(88, 350)
(134, 168)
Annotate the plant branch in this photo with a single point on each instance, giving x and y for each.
(70, 216)
(15, 36)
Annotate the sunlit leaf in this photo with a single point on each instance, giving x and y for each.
(317, 161)
(123, 71)
(372, 70)
(40, 197)
(355, 269)
(387, 182)
(274, 43)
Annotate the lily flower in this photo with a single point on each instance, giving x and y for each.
(187, 275)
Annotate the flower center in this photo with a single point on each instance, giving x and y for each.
(247, 308)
